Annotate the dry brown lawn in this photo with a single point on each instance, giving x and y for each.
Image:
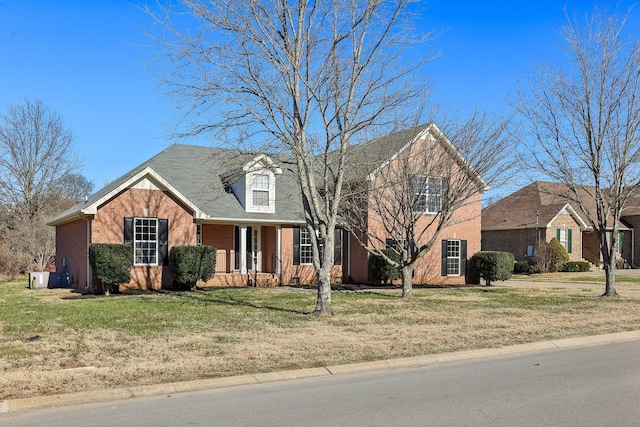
(89, 343)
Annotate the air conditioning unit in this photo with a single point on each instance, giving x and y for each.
(39, 279)
(45, 279)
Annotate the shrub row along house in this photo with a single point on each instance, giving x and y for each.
(249, 208)
(539, 212)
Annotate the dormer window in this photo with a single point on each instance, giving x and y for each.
(254, 184)
(260, 189)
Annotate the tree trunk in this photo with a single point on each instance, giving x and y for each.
(407, 281)
(323, 302)
(610, 277)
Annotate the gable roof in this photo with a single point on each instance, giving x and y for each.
(198, 176)
(193, 174)
(536, 206)
(369, 157)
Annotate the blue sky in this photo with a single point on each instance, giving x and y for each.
(86, 60)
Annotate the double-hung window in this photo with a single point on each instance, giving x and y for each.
(145, 242)
(306, 253)
(453, 257)
(428, 193)
(260, 189)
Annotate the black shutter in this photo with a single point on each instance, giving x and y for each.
(128, 231)
(296, 246)
(163, 241)
(443, 271)
(337, 247)
(463, 257)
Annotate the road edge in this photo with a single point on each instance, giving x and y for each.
(39, 402)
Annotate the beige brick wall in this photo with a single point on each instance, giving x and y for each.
(576, 234)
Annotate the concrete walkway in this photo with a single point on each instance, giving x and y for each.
(17, 405)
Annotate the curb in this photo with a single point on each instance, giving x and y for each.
(30, 403)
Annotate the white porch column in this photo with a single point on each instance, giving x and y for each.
(243, 249)
(279, 249)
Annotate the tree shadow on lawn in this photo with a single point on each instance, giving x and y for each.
(211, 297)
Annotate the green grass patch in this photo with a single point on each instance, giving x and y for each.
(148, 337)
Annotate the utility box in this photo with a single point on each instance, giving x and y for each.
(39, 279)
(60, 280)
(45, 279)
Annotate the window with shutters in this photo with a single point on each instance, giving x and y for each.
(302, 246)
(453, 257)
(145, 241)
(564, 237)
(306, 253)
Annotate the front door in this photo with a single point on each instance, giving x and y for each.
(252, 242)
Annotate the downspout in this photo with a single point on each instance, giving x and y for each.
(88, 243)
(349, 257)
(633, 247)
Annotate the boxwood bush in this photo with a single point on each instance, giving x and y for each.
(381, 271)
(190, 264)
(521, 267)
(576, 266)
(111, 263)
(492, 265)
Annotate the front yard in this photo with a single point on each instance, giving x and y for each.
(55, 341)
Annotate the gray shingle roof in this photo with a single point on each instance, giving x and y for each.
(194, 171)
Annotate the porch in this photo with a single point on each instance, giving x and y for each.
(246, 255)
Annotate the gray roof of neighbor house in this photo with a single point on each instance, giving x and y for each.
(536, 205)
(195, 173)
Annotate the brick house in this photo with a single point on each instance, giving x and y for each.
(446, 262)
(245, 205)
(540, 212)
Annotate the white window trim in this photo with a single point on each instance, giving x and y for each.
(454, 258)
(261, 183)
(423, 191)
(305, 234)
(136, 221)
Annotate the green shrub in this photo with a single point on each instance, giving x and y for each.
(190, 264)
(534, 269)
(381, 271)
(521, 267)
(622, 264)
(561, 255)
(576, 266)
(492, 265)
(111, 263)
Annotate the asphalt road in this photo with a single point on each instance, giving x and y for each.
(589, 386)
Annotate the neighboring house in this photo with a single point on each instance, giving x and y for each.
(247, 206)
(539, 212)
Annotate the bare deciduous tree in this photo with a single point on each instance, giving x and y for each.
(582, 124)
(417, 194)
(38, 180)
(302, 78)
(35, 152)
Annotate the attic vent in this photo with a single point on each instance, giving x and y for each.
(227, 186)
